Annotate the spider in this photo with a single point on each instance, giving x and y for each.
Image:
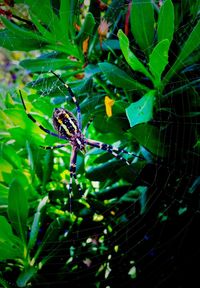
(69, 128)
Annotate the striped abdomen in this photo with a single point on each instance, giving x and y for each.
(65, 123)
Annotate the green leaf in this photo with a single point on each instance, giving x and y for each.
(18, 42)
(191, 44)
(120, 78)
(45, 65)
(36, 223)
(21, 32)
(10, 245)
(158, 60)
(86, 29)
(142, 23)
(142, 110)
(131, 59)
(150, 137)
(18, 208)
(166, 22)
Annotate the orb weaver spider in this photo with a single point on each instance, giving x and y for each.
(70, 128)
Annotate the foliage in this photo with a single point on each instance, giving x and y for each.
(144, 72)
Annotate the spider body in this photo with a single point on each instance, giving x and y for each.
(69, 128)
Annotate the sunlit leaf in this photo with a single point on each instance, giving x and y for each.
(18, 208)
(142, 110)
(10, 245)
(159, 59)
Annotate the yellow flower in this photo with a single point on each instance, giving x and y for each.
(109, 103)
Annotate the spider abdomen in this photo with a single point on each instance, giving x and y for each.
(65, 123)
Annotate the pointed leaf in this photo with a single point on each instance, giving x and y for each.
(120, 78)
(150, 137)
(142, 23)
(142, 110)
(36, 223)
(159, 59)
(10, 245)
(131, 59)
(45, 65)
(86, 29)
(18, 208)
(166, 21)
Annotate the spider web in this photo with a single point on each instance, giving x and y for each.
(154, 238)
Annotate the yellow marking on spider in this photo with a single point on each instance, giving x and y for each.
(71, 122)
(64, 127)
(66, 86)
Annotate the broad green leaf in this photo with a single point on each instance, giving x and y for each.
(150, 137)
(5, 171)
(120, 78)
(36, 223)
(142, 23)
(191, 44)
(86, 29)
(65, 17)
(3, 196)
(46, 65)
(9, 153)
(44, 12)
(166, 21)
(10, 245)
(158, 60)
(18, 42)
(131, 59)
(18, 208)
(21, 32)
(142, 110)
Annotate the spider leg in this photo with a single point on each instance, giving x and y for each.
(87, 126)
(54, 147)
(72, 170)
(79, 117)
(37, 123)
(109, 148)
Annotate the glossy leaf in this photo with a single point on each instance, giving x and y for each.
(10, 245)
(142, 23)
(18, 208)
(120, 78)
(166, 21)
(130, 57)
(46, 65)
(18, 42)
(150, 137)
(36, 223)
(142, 110)
(158, 60)
(86, 29)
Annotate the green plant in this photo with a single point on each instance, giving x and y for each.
(146, 80)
